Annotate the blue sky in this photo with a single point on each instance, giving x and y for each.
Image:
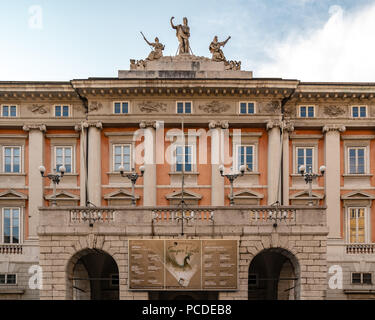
(311, 40)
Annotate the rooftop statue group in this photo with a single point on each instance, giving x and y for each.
(183, 35)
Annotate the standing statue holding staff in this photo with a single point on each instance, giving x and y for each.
(157, 51)
(183, 34)
(217, 53)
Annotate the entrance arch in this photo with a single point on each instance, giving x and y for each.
(92, 274)
(274, 275)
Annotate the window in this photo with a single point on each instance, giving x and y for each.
(8, 279)
(11, 225)
(184, 156)
(307, 111)
(305, 158)
(121, 157)
(121, 107)
(184, 107)
(357, 225)
(8, 111)
(63, 157)
(62, 111)
(361, 278)
(359, 111)
(245, 156)
(12, 159)
(356, 160)
(247, 108)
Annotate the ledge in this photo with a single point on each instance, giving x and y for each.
(11, 290)
(365, 175)
(12, 174)
(185, 173)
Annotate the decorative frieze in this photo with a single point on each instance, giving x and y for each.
(214, 107)
(333, 111)
(95, 106)
(151, 106)
(38, 108)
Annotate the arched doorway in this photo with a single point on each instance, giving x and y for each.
(183, 295)
(274, 275)
(92, 275)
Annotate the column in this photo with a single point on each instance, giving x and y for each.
(217, 181)
(81, 128)
(332, 178)
(36, 153)
(288, 128)
(149, 178)
(94, 186)
(274, 161)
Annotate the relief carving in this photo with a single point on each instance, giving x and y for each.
(150, 106)
(333, 111)
(38, 108)
(214, 107)
(271, 107)
(95, 106)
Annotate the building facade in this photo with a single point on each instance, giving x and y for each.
(287, 243)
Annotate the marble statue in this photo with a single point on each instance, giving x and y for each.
(158, 47)
(183, 35)
(217, 53)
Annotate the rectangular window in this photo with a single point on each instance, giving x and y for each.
(356, 225)
(9, 111)
(359, 111)
(62, 111)
(121, 157)
(12, 159)
(361, 278)
(247, 108)
(184, 107)
(184, 155)
(307, 111)
(121, 107)
(64, 157)
(305, 158)
(356, 160)
(8, 279)
(11, 225)
(245, 156)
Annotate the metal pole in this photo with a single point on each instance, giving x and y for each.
(54, 203)
(231, 192)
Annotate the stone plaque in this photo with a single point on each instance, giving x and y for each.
(175, 264)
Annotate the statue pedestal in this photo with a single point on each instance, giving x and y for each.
(183, 66)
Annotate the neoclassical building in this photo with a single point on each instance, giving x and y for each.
(183, 237)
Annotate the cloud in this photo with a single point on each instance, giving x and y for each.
(342, 50)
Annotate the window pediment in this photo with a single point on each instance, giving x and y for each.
(188, 195)
(12, 195)
(357, 195)
(62, 195)
(247, 194)
(304, 195)
(120, 195)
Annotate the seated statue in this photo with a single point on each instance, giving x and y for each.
(217, 53)
(157, 53)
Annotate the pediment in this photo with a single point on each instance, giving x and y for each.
(188, 195)
(303, 195)
(62, 195)
(120, 195)
(12, 195)
(357, 195)
(247, 194)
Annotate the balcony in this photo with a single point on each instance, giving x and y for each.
(10, 249)
(360, 248)
(150, 221)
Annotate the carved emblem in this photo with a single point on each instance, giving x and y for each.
(272, 107)
(94, 106)
(214, 107)
(333, 111)
(150, 106)
(38, 108)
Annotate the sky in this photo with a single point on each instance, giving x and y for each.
(309, 40)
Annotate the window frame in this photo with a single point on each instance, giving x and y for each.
(9, 105)
(114, 145)
(20, 225)
(193, 155)
(236, 153)
(365, 166)
(313, 169)
(367, 228)
(307, 111)
(21, 159)
(72, 148)
(6, 279)
(247, 108)
(121, 102)
(62, 107)
(361, 278)
(184, 102)
(359, 111)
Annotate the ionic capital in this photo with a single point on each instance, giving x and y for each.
(80, 126)
(29, 127)
(224, 124)
(274, 124)
(148, 124)
(334, 127)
